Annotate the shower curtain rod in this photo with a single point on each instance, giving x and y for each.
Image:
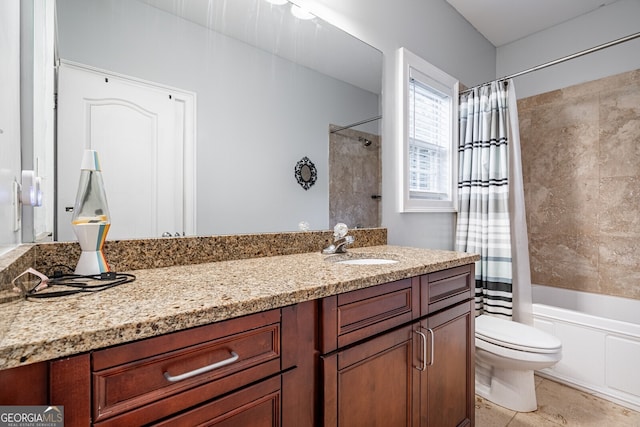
(559, 60)
(356, 124)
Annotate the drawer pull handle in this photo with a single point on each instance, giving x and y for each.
(423, 338)
(225, 362)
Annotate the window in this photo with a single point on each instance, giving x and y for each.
(429, 136)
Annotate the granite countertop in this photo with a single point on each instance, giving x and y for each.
(163, 300)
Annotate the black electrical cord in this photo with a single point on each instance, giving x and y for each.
(81, 284)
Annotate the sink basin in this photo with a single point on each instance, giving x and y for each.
(367, 261)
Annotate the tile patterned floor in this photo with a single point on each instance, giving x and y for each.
(558, 405)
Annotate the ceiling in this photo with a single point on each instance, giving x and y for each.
(504, 21)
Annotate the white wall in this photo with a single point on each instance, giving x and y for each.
(246, 151)
(605, 24)
(433, 30)
(9, 117)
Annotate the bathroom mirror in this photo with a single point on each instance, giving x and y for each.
(268, 85)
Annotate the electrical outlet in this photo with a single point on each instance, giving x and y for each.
(17, 208)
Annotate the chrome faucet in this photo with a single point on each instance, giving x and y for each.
(340, 240)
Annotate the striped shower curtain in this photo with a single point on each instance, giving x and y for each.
(483, 224)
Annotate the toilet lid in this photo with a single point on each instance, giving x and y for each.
(515, 335)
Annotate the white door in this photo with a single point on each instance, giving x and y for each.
(144, 136)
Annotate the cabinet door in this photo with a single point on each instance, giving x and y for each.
(447, 384)
(372, 383)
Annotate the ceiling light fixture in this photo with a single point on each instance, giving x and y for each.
(278, 2)
(301, 13)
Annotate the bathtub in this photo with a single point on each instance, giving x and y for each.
(600, 337)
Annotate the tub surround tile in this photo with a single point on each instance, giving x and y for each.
(567, 276)
(620, 132)
(579, 250)
(605, 84)
(620, 280)
(566, 261)
(620, 251)
(570, 207)
(580, 157)
(562, 142)
(535, 102)
(619, 206)
(166, 299)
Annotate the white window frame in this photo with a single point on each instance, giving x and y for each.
(410, 66)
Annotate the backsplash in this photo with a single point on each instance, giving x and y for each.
(127, 255)
(581, 170)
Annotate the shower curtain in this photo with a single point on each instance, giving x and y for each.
(491, 217)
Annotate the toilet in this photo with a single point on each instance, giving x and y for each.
(507, 353)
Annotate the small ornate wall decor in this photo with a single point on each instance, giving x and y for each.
(306, 173)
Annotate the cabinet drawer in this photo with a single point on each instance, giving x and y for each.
(353, 316)
(445, 288)
(182, 369)
(258, 405)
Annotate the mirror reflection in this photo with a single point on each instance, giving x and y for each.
(254, 87)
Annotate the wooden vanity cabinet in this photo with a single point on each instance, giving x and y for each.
(395, 354)
(413, 373)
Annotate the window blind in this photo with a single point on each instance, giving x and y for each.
(429, 141)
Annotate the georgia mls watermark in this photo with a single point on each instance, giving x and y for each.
(31, 416)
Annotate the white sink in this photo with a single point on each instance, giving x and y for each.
(367, 261)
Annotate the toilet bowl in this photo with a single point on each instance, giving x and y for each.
(507, 353)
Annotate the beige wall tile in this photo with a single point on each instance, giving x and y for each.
(581, 172)
(619, 206)
(564, 141)
(534, 102)
(568, 206)
(620, 132)
(620, 280)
